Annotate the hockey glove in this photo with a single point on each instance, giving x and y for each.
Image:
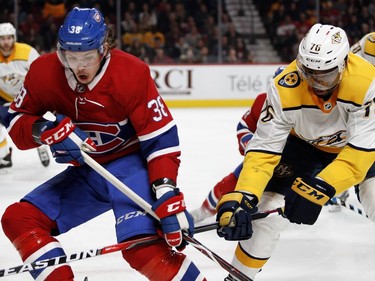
(170, 208)
(305, 200)
(63, 148)
(234, 212)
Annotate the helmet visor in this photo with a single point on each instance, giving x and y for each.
(77, 60)
(319, 79)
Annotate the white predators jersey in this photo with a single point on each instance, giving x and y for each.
(346, 119)
(13, 69)
(365, 47)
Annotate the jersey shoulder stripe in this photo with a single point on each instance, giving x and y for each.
(22, 51)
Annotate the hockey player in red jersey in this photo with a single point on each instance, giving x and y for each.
(108, 98)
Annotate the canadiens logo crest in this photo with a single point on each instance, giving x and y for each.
(290, 80)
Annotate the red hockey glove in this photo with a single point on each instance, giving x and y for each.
(64, 149)
(170, 208)
(305, 200)
(234, 212)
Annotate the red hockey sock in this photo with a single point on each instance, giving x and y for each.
(224, 186)
(29, 231)
(158, 262)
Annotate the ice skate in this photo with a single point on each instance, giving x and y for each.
(204, 212)
(336, 207)
(43, 155)
(6, 162)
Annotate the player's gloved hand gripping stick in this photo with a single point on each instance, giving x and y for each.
(56, 134)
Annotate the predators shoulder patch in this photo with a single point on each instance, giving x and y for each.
(290, 80)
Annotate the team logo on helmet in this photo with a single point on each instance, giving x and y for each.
(290, 80)
(97, 17)
(371, 38)
(336, 38)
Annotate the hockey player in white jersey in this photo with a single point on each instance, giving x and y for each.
(365, 47)
(318, 120)
(15, 60)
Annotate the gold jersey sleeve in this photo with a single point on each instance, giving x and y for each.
(348, 169)
(256, 172)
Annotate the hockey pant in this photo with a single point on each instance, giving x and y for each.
(31, 232)
(251, 255)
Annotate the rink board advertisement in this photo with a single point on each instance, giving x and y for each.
(211, 85)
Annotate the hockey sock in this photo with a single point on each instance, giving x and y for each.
(158, 262)
(29, 231)
(224, 186)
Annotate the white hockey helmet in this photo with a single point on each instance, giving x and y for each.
(7, 29)
(322, 56)
(369, 48)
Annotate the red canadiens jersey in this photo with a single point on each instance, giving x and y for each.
(120, 109)
(249, 120)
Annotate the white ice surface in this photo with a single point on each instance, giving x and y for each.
(340, 246)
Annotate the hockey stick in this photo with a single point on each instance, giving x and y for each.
(79, 256)
(144, 205)
(127, 245)
(256, 216)
(147, 207)
(338, 201)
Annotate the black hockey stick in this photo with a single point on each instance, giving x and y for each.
(255, 216)
(219, 260)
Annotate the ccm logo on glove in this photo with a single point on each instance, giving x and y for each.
(312, 194)
(176, 206)
(171, 206)
(60, 132)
